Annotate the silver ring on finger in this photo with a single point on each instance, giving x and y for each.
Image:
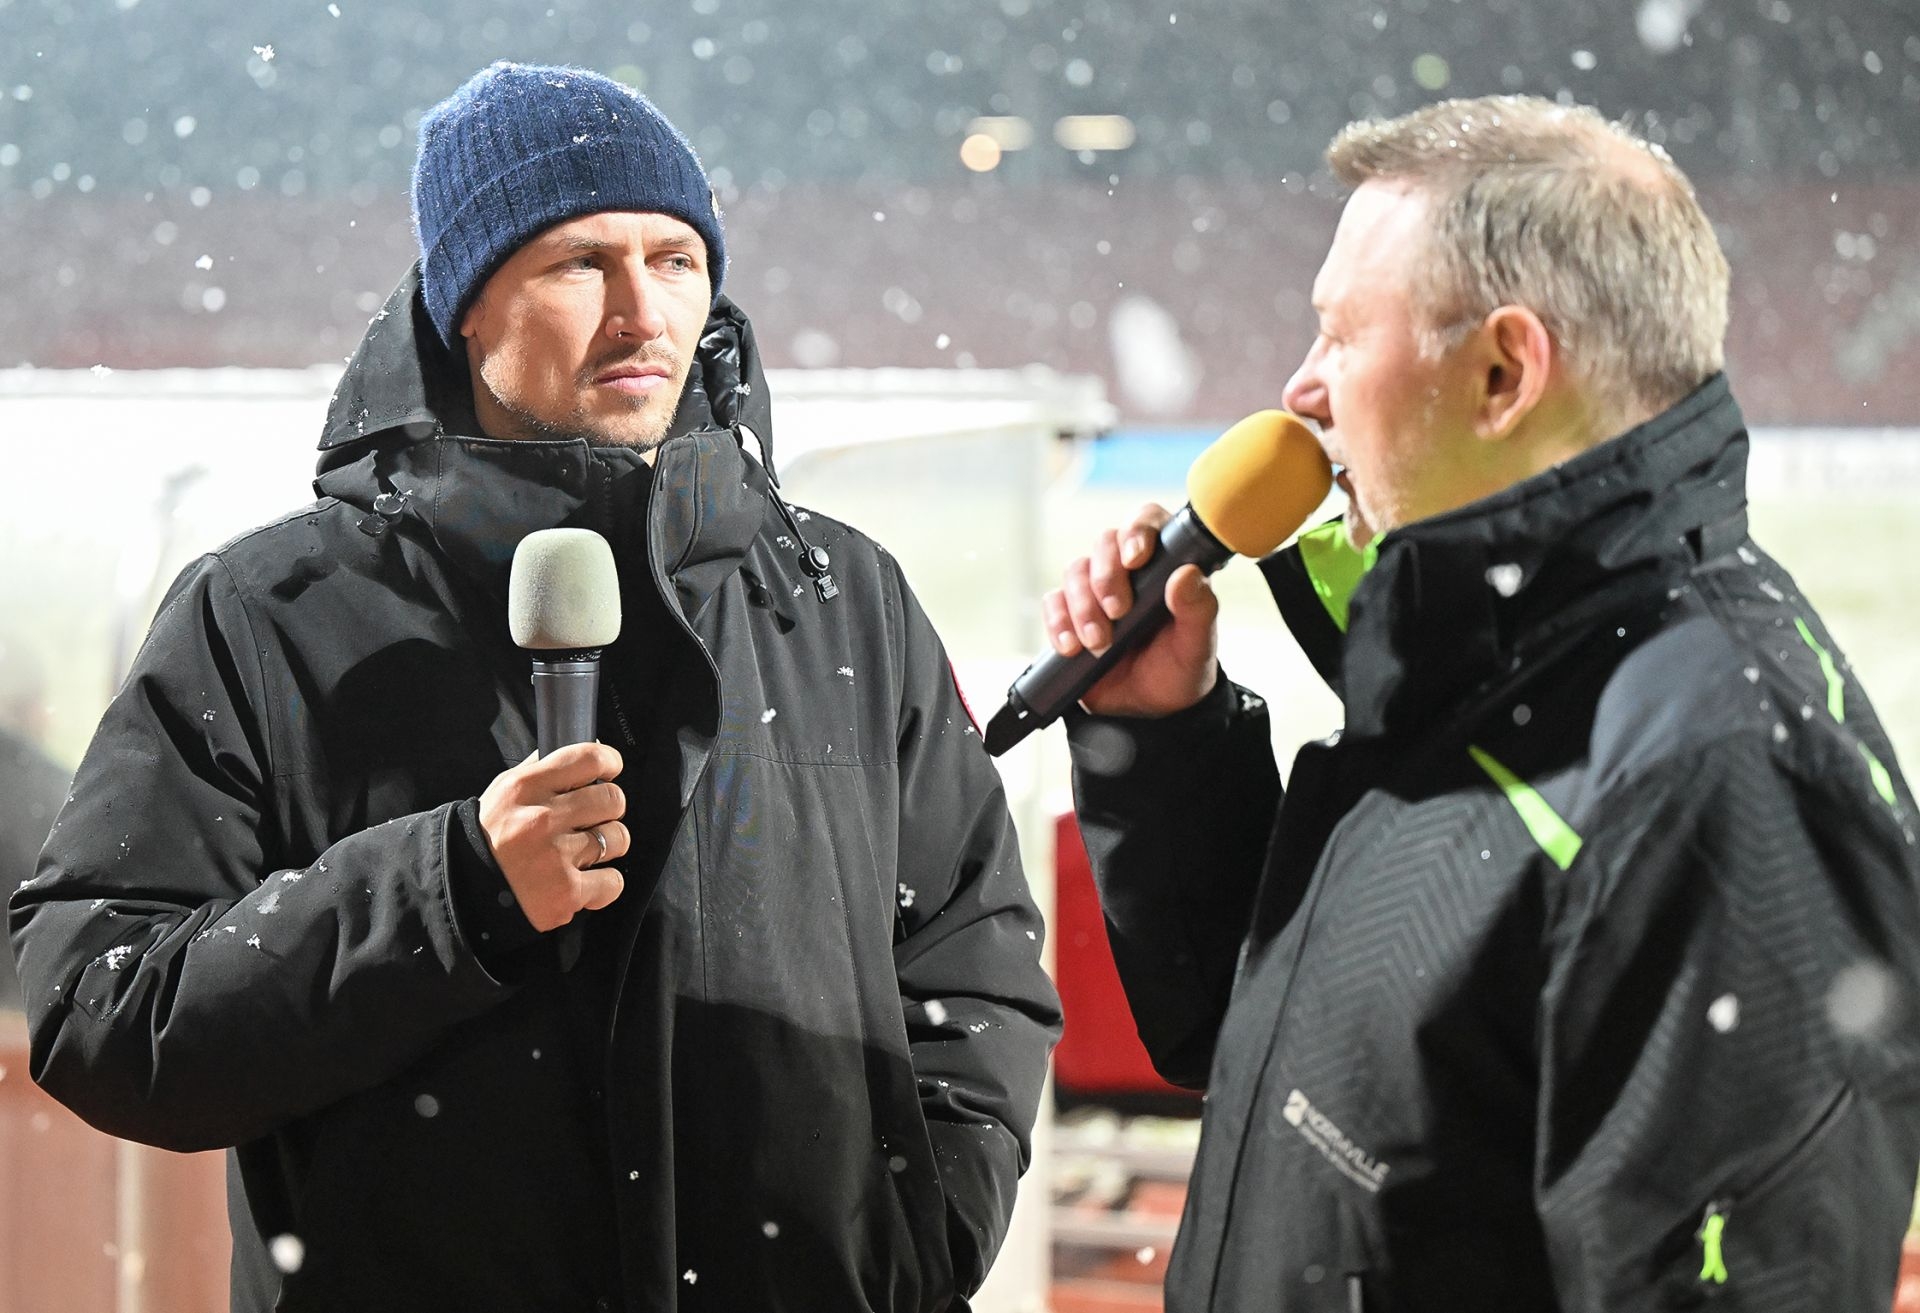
(600, 839)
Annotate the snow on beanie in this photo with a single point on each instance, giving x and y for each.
(522, 147)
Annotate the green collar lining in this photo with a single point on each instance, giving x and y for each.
(1335, 567)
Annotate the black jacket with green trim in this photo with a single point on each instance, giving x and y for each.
(1581, 970)
(794, 1065)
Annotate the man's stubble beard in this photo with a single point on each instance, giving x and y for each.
(578, 426)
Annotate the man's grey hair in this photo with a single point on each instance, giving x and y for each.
(1580, 220)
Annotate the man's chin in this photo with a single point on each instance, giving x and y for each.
(1359, 529)
(642, 425)
(641, 430)
(622, 438)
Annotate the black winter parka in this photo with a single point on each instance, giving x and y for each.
(1581, 970)
(793, 1066)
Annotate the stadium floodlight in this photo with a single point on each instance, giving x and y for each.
(1007, 131)
(1079, 132)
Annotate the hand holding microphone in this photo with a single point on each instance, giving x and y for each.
(554, 819)
(1168, 672)
(1246, 493)
(551, 821)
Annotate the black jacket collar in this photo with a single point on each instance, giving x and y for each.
(1463, 598)
(401, 444)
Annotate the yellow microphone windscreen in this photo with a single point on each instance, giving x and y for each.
(1259, 481)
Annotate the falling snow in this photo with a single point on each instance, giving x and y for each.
(289, 1252)
(1860, 1001)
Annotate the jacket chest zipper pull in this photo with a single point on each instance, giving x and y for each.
(1713, 1263)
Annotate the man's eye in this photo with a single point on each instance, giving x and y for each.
(680, 263)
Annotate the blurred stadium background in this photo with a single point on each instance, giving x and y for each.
(1074, 239)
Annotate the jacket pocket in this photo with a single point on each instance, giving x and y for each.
(1747, 1239)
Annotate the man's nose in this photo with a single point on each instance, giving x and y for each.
(631, 307)
(1305, 395)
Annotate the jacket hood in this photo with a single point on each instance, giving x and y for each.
(402, 444)
(1453, 601)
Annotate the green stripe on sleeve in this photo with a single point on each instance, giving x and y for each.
(1836, 686)
(1882, 777)
(1713, 1259)
(1555, 837)
(1335, 567)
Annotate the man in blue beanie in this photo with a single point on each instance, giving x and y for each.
(590, 211)
(759, 1026)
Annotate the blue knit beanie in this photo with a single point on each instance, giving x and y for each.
(522, 147)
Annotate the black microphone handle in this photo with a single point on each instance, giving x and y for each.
(1054, 683)
(566, 699)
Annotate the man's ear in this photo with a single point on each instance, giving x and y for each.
(1517, 357)
(476, 316)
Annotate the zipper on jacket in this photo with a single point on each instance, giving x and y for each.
(1713, 1227)
(663, 588)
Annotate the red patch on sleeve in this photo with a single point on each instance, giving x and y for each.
(962, 694)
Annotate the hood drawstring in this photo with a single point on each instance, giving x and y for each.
(814, 561)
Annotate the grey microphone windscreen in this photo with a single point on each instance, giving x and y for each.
(564, 592)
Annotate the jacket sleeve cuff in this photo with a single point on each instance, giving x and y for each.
(1090, 737)
(483, 902)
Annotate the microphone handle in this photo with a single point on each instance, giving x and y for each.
(566, 699)
(1054, 683)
